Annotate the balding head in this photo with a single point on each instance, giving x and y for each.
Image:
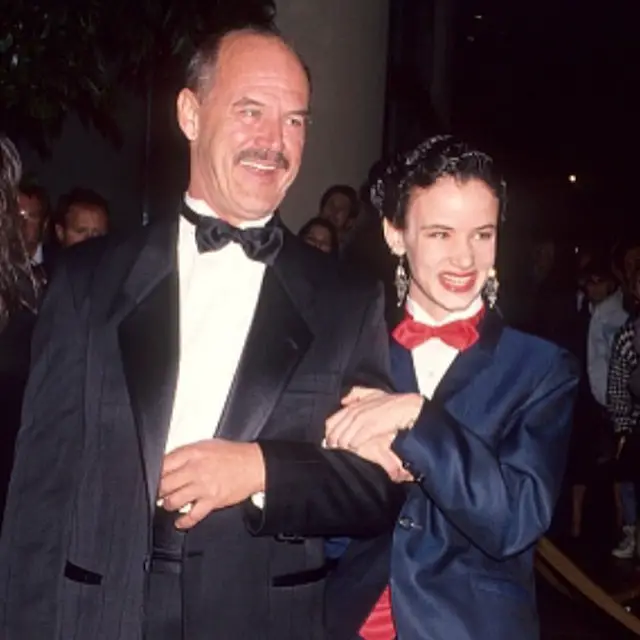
(245, 115)
(202, 67)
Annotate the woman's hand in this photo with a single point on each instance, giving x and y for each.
(370, 413)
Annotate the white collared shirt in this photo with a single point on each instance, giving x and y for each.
(218, 295)
(433, 358)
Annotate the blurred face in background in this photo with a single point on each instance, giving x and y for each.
(33, 218)
(635, 284)
(598, 287)
(449, 239)
(337, 211)
(82, 222)
(319, 237)
(544, 256)
(631, 264)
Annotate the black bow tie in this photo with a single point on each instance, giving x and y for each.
(259, 243)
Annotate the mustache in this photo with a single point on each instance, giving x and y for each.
(264, 155)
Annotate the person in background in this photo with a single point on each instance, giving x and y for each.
(82, 214)
(19, 292)
(321, 234)
(590, 430)
(367, 250)
(34, 211)
(552, 298)
(605, 322)
(481, 421)
(609, 316)
(623, 406)
(339, 205)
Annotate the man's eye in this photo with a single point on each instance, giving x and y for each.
(295, 121)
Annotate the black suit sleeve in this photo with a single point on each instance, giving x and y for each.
(48, 448)
(311, 491)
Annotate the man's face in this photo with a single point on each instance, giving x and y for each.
(597, 288)
(81, 223)
(33, 219)
(247, 130)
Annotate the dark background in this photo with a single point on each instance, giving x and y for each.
(548, 87)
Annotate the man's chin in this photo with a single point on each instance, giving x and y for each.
(256, 209)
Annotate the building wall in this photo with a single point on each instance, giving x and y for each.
(81, 157)
(344, 43)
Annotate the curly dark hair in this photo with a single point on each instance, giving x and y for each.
(437, 157)
(18, 285)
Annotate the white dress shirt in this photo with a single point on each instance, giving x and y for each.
(218, 295)
(432, 359)
(607, 318)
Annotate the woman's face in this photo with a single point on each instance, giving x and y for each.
(449, 240)
(337, 210)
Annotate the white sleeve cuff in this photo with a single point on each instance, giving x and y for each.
(258, 500)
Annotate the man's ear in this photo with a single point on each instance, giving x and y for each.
(188, 111)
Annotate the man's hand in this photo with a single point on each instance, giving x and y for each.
(368, 414)
(378, 451)
(209, 475)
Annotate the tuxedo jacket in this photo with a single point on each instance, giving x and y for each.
(488, 454)
(75, 546)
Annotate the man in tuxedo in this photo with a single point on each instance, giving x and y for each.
(169, 479)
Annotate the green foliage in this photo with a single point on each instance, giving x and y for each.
(59, 58)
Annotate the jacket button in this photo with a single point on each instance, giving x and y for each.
(406, 523)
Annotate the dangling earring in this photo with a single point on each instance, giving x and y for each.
(401, 281)
(491, 288)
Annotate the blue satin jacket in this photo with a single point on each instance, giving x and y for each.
(488, 454)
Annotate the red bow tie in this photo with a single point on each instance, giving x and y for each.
(460, 334)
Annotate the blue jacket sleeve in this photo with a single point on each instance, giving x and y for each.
(500, 496)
